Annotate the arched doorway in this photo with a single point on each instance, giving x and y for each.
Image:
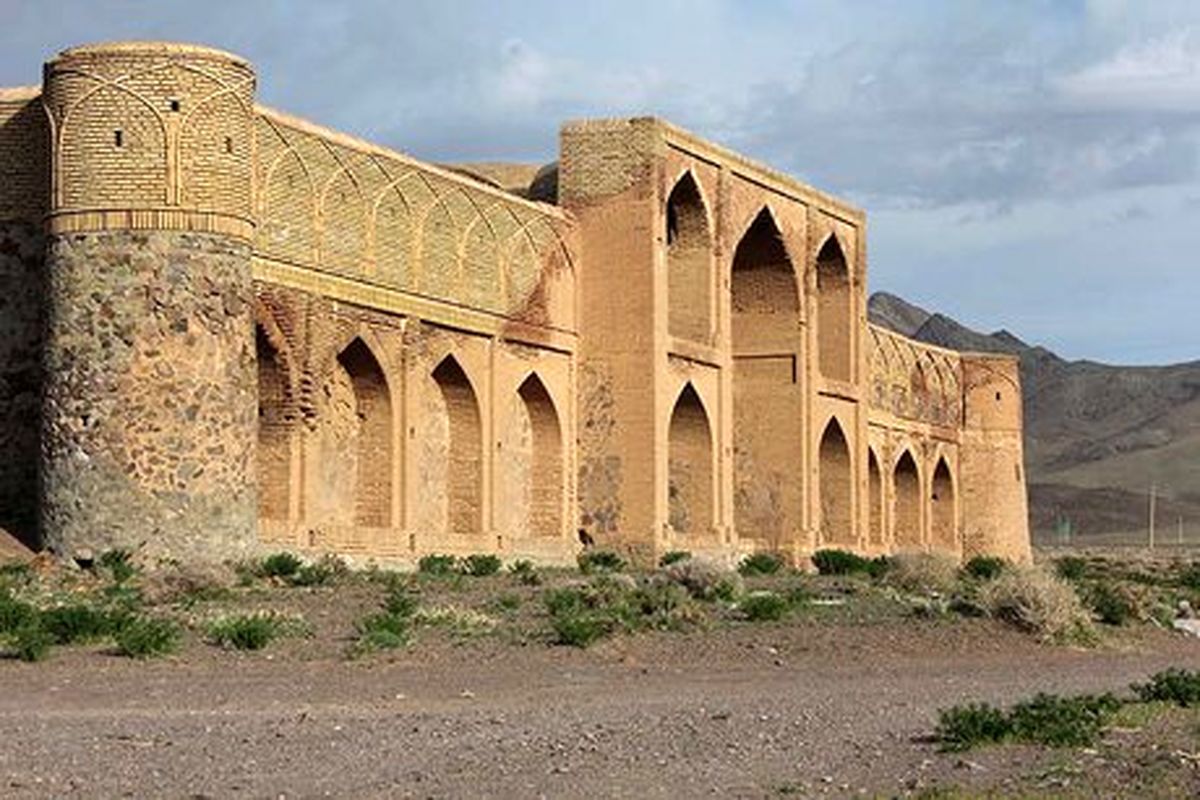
(874, 499)
(836, 487)
(690, 466)
(907, 483)
(767, 398)
(462, 458)
(689, 258)
(372, 436)
(945, 535)
(834, 316)
(542, 480)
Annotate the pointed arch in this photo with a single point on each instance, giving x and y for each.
(835, 480)
(215, 144)
(875, 530)
(288, 223)
(541, 491)
(689, 261)
(343, 225)
(462, 481)
(768, 404)
(942, 511)
(906, 485)
(372, 435)
(274, 440)
(690, 466)
(834, 317)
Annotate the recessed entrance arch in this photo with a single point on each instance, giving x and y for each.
(874, 499)
(834, 317)
(462, 478)
(836, 486)
(767, 398)
(907, 484)
(690, 466)
(689, 262)
(945, 534)
(542, 489)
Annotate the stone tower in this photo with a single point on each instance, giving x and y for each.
(148, 425)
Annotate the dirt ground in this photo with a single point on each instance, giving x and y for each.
(808, 707)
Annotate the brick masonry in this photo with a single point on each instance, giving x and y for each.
(258, 333)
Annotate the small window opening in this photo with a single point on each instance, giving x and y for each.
(175, 105)
(119, 137)
(229, 145)
(997, 397)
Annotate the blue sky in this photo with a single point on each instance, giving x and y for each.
(1025, 165)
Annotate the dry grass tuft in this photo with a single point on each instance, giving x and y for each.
(1037, 601)
(923, 572)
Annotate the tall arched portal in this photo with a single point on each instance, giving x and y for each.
(945, 534)
(689, 259)
(542, 492)
(462, 484)
(372, 437)
(834, 317)
(836, 483)
(690, 467)
(768, 402)
(907, 483)
(874, 499)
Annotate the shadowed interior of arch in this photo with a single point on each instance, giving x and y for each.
(874, 499)
(464, 457)
(942, 507)
(833, 312)
(690, 466)
(544, 476)
(274, 432)
(373, 437)
(836, 487)
(767, 398)
(907, 485)
(689, 276)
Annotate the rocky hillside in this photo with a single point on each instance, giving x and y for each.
(1096, 435)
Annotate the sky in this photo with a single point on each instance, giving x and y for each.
(1030, 166)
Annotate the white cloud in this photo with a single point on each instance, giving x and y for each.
(1161, 74)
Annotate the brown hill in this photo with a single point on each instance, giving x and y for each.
(1097, 436)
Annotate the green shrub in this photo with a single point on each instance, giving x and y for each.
(840, 562)
(963, 727)
(400, 601)
(524, 571)
(31, 642)
(147, 637)
(119, 564)
(703, 580)
(15, 613)
(879, 566)
(437, 564)
(1189, 577)
(761, 564)
(662, 606)
(1111, 604)
(280, 565)
(247, 631)
(481, 565)
(1071, 568)
(985, 568)
(673, 557)
(581, 616)
(507, 602)
(1179, 686)
(77, 622)
(764, 606)
(1062, 721)
(384, 631)
(591, 561)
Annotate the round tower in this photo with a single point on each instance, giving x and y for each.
(149, 414)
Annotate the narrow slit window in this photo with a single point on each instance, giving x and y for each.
(119, 137)
(175, 105)
(229, 145)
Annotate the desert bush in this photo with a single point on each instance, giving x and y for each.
(840, 562)
(77, 622)
(1178, 686)
(673, 557)
(15, 613)
(248, 631)
(383, 631)
(327, 570)
(764, 606)
(118, 563)
(506, 603)
(1189, 577)
(1114, 604)
(761, 564)
(1071, 568)
(1062, 721)
(524, 571)
(280, 565)
(703, 580)
(400, 601)
(591, 561)
(437, 564)
(581, 629)
(923, 572)
(1038, 602)
(147, 637)
(985, 568)
(465, 621)
(963, 727)
(31, 642)
(480, 565)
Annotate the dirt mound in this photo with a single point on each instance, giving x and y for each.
(11, 549)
